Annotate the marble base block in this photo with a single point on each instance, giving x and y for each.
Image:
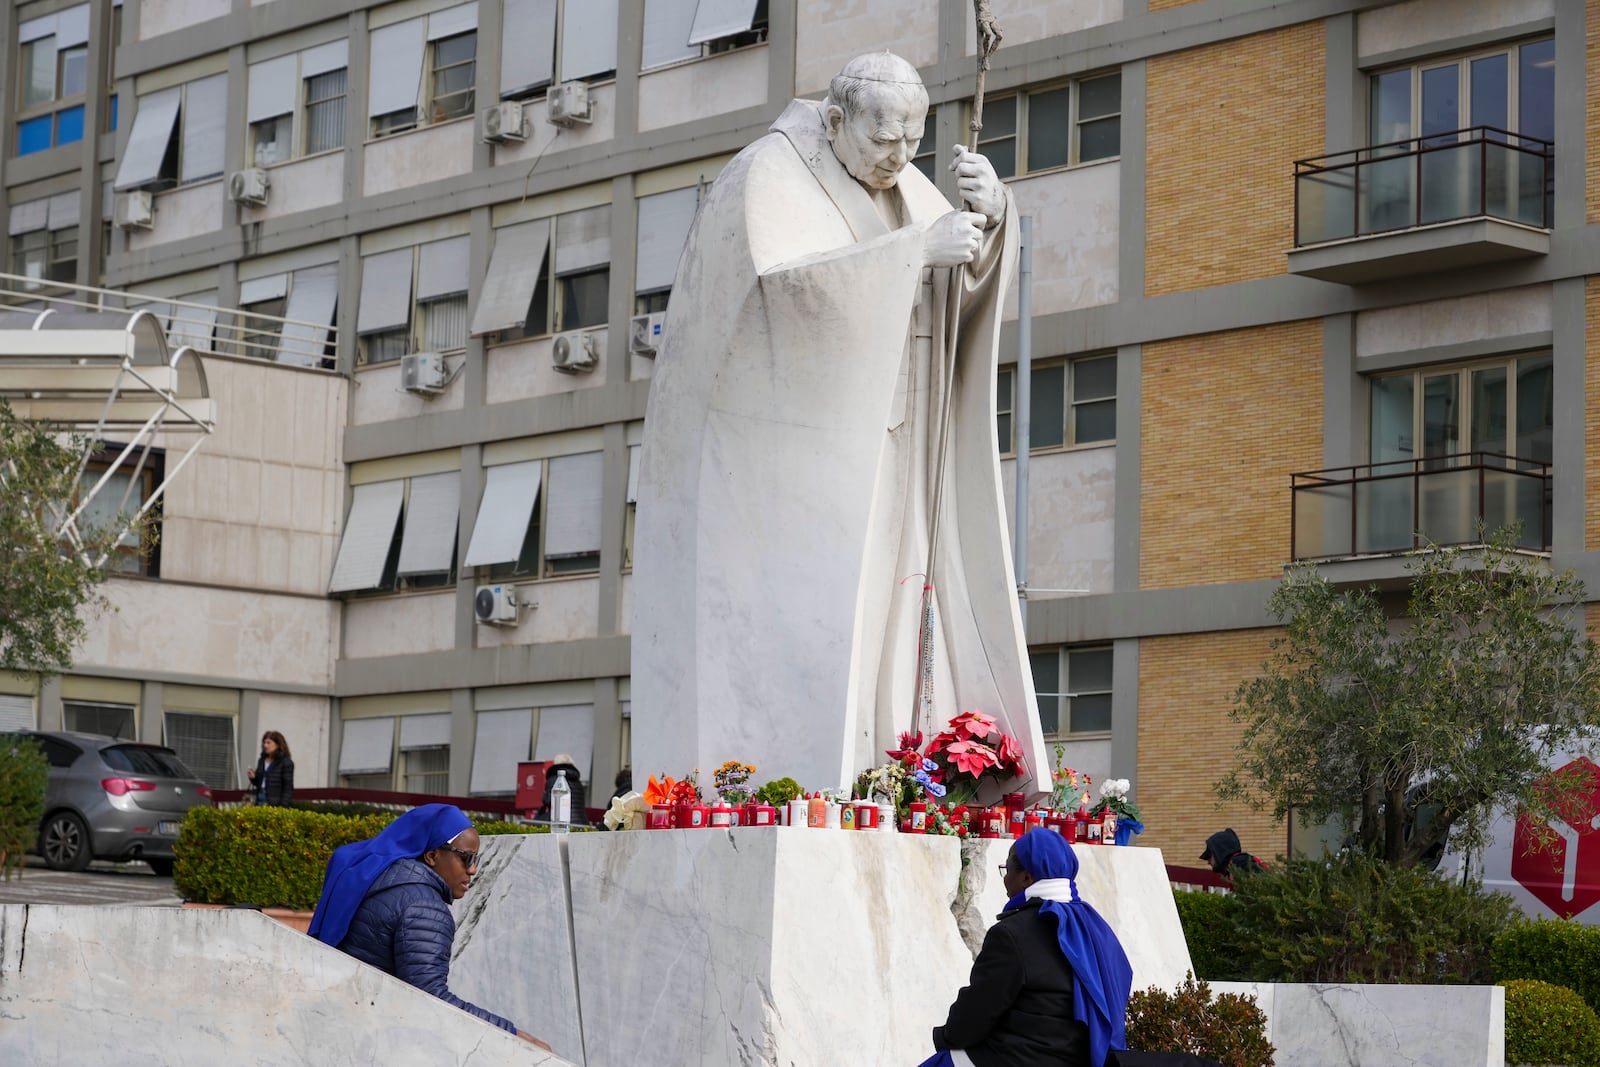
(513, 946)
(1381, 1025)
(189, 988)
(762, 947)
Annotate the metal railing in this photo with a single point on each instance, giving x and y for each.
(1389, 508)
(204, 327)
(1477, 172)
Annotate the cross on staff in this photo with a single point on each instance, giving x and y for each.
(989, 37)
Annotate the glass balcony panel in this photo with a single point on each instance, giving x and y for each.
(1531, 204)
(1326, 202)
(1384, 511)
(1387, 194)
(1451, 186)
(1322, 520)
(1449, 506)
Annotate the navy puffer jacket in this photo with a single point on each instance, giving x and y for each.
(404, 927)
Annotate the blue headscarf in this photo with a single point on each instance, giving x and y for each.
(354, 867)
(1102, 978)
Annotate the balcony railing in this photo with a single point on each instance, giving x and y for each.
(1388, 508)
(1478, 172)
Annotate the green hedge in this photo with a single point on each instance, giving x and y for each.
(1207, 920)
(1548, 1024)
(273, 857)
(1353, 918)
(1562, 953)
(1228, 1028)
(24, 773)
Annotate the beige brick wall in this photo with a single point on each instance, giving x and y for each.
(1591, 421)
(1227, 418)
(1187, 742)
(1592, 115)
(1224, 125)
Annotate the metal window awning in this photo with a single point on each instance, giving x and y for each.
(722, 18)
(514, 268)
(667, 24)
(428, 545)
(527, 46)
(664, 223)
(589, 39)
(368, 746)
(368, 533)
(572, 512)
(501, 743)
(424, 731)
(566, 731)
(509, 494)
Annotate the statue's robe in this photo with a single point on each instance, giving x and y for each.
(787, 480)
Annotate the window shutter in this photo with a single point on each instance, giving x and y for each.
(721, 18)
(147, 143)
(527, 46)
(633, 474)
(335, 55)
(72, 27)
(666, 32)
(583, 240)
(428, 545)
(572, 524)
(501, 743)
(260, 290)
(424, 731)
(509, 494)
(28, 217)
(367, 747)
(368, 533)
(514, 268)
(395, 78)
(443, 268)
(462, 18)
(205, 744)
(205, 126)
(64, 211)
(273, 88)
(567, 731)
(16, 713)
(589, 39)
(664, 222)
(385, 291)
(311, 303)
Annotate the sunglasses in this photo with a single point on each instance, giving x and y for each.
(469, 859)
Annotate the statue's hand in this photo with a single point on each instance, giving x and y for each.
(953, 239)
(980, 188)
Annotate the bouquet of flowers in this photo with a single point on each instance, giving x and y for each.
(684, 790)
(627, 812)
(970, 752)
(1114, 795)
(907, 777)
(1070, 788)
(733, 782)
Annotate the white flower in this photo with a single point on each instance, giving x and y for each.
(1115, 788)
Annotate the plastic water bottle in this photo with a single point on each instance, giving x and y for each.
(560, 804)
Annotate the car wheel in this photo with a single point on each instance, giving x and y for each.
(163, 868)
(64, 842)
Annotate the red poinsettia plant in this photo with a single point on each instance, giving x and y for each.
(971, 751)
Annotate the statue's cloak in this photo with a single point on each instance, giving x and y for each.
(786, 480)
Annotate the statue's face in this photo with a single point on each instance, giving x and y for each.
(877, 142)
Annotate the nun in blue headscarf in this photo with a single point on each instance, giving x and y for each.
(1050, 985)
(386, 900)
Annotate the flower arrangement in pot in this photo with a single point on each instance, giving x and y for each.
(732, 781)
(1114, 798)
(973, 759)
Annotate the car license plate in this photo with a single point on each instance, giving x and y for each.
(169, 829)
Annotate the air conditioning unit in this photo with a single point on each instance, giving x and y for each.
(567, 104)
(644, 334)
(135, 210)
(503, 122)
(496, 605)
(575, 353)
(424, 373)
(249, 186)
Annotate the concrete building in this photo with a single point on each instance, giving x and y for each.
(1264, 248)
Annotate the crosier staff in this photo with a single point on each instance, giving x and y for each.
(922, 718)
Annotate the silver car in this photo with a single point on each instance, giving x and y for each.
(112, 800)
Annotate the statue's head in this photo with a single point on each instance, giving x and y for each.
(874, 113)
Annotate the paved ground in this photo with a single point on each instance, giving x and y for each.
(102, 883)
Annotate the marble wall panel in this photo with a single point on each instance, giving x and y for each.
(715, 85)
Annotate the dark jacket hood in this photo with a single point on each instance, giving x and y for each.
(1221, 846)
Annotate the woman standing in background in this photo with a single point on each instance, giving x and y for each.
(273, 776)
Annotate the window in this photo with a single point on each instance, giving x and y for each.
(454, 71)
(414, 299)
(425, 754)
(664, 221)
(205, 744)
(677, 30)
(177, 136)
(44, 238)
(1507, 92)
(92, 717)
(299, 91)
(400, 535)
(502, 739)
(1073, 685)
(366, 753)
(444, 47)
(265, 301)
(539, 519)
(1056, 127)
(118, 501)
(630, 520)
(112, 42)
(927, 158)
(518, 300)
(1074, 402)
(52, 77)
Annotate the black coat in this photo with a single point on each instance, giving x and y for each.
(404, 927)
(1016, 1009)
(580, 814)
(279, 778)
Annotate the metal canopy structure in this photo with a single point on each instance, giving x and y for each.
(108, 376)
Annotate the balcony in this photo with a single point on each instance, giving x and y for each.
(1385, 509)
(1441, 202)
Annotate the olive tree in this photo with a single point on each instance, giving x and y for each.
(1411, 728)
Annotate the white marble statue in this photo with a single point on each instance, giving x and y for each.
(787, 478)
